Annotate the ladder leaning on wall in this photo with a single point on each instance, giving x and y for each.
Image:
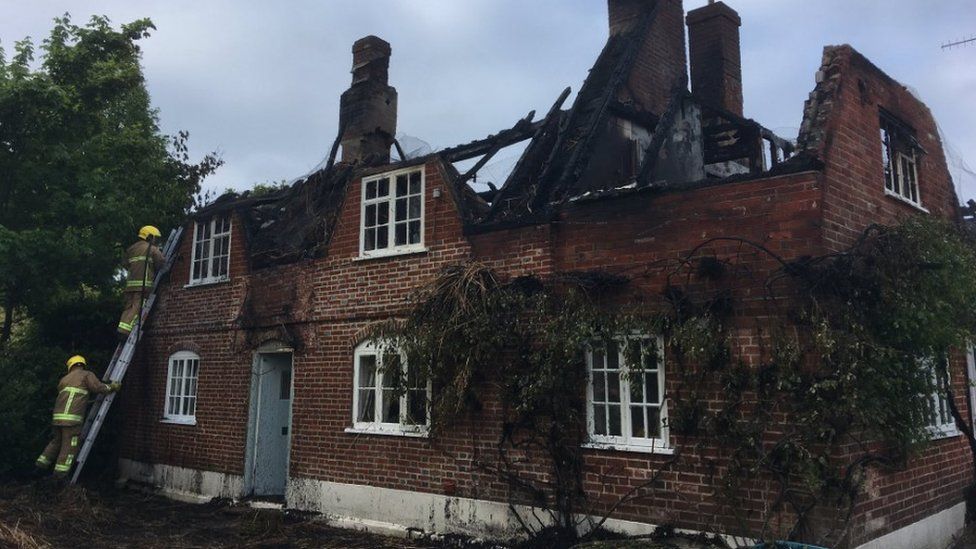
(120, 360)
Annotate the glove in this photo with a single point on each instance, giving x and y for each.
(115, 387)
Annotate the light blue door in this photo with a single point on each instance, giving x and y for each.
(273, 424)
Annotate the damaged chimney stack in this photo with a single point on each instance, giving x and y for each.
(716, 64)
(368, 109)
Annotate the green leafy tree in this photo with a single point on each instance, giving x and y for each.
(83, 164)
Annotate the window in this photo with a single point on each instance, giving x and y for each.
(181, 388)
(940, 421)
(211, 251)
(898, 147)
(625, 395)
(393, 213)
(388, 395)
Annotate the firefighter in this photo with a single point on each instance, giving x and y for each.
(142, 260)
(69, 414)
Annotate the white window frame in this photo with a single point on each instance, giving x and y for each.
(625, 441)
(390, 200)
(898, 181)
(377, 426)
(188, 389)
(212, 223)
(941, 424)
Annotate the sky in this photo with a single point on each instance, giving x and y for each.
(259, 82)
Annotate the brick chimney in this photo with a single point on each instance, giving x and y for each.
(716, 65)
(368, 109)
(660, 63)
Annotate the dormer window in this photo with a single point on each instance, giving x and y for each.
(899, 158)
(211, 250)
(392, 213)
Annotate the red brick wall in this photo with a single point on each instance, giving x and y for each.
(855, 194)
(326, 304)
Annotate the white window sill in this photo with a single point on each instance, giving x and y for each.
(939, 433)
(389, 431)
(655, 449)
(207, 282)
(179, 420)
(391, 252)
(900, 198)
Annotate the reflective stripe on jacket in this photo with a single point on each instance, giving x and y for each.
(73, 389)
(141, 272)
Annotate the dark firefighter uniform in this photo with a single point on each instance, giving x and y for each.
(69, 415)
(142, 260)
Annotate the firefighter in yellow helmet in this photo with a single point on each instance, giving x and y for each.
(69, 414)
(142, 260)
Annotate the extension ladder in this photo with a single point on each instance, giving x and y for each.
(121, 359)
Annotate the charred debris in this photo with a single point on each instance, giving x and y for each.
(607, 143)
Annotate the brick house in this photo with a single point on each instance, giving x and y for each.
(254, 377)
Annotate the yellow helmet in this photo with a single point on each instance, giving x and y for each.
(76, 360)
(148, 230)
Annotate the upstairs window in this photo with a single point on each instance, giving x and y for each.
(211, 251)
(389, 396)
(626, 407)
(898, 156)
(392, 213)
(181, 388)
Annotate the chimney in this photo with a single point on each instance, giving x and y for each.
(368, 109)
(716, 65)
(660, 63)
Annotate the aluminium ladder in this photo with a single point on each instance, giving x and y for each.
(120, 360)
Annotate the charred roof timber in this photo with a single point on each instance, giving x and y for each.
(633, 127)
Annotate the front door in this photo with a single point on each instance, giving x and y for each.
(272, 422)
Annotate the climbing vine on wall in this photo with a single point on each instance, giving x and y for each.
(799, 374)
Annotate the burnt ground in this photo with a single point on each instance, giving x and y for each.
(38, 515)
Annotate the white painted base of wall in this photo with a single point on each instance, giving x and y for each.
(399, 512)
(932, 532)
(181, 483)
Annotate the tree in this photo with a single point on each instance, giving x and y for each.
(83, 164)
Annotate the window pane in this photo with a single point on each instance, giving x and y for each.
(613, 411)
(400, 234)
(599, 387)
(417, 407)
(599, 420)
(401, 210)
(382, 238)
(382, 213)
(383, 187)
(414, 232)
(391, 406)
(415, 182)
(613, 357)
(401, 185)
(369, 238)
(367, 404)
(367, 371)
(636, 383)
(637, 422)
(651, 388)
(598, 359)
(414, 207)
(654, 422)
(649, 355)
(613, 386)
(370, 190)
(370, 215)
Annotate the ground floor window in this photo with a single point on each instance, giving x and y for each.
(389, 394)
(181, 388)
(626, 406)
(940, 420)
